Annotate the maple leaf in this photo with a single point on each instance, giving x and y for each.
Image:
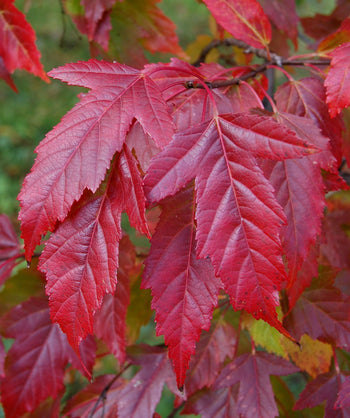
(220, 403)
(322, 312)
(283, 14)
(17, 41)
(9, 248)
(81, 258)
(140, 396)
(35, 363)
(110, 319)
(291, 180)
(242, 242)
(212, 350)
(324, 388)
(338, 80)
(245, 20)
(252, 371)
(82, 145)
(6, 76)
(343, 400)
(307, 98)
(184, 293)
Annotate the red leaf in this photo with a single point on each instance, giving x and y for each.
(9, 248)
(184, 293)
(140, 396)
(2, 359)
(243, 19)
(242, 242)
(110, 319)
(283, 14)
(94, 14)
(306, 98)
(211, 351)
(220, 403)
(82, 145)
(35, 363)
(343, 400)
(324, 388)
(252, 371)
(17, 41)
(323, 313)
(81, 258)
(338, 80)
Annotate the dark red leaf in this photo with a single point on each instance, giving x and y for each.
(283, 14)
(110, 319)
(220, 403)
(82, 145)
(211, 351)
(343, 400)
(324, 388)
(81, 258)
(338, 80)
(2, 359)
(140, 396)
(323, 313)
(237, 215)
(243, 19)
(17, 41)
(184, 293)
(35, 363)
(252, 371)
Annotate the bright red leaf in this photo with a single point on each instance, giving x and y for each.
(88, 136)
(237, 215)
(81, 258)
(110, 323)
(338, 80)
(9, 248)
(252, 372)
(324, 388)
(35, 363)
(184, 293)
(243, 19)
(212, 350)
(17, 41)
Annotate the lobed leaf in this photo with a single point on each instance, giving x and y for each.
(82, 145)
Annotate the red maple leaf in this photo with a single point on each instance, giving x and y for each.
(252, 372)
(82, 145)
(324, 388)
(243, 19)
(212, 350)
(17, 41)
(81, 258)
(343, 400)
(35, 363)
(9, 248)
(322, 312)
(184, 293)
(338, 80)
(238, 217)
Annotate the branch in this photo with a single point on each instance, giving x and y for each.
(270, 59)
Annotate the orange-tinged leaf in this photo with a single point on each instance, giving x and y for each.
(244, 19)
(17, 41)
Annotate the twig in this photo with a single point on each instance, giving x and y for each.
(103, 394)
